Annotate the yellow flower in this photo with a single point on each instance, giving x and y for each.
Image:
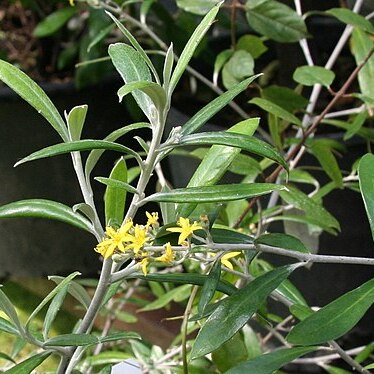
(225, 259)
(144, 265)
(71, 2)
(186, 229)
(168, 256)
(114, 240)
(152, 218)
(137, 241)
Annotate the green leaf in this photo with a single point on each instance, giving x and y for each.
(7, 307)
(45, 209)
(252, 44)
(115, 198)
(312, 209)
(115, 183)
(199, 7)
(300, 311)
(132, 67)
(120, 336)
(245, 142)
(71, 340)
(50, 296)
(181, 292)
(284, 97)
(239, 66)
(196, 279)
(4, 356)
(335, 319)
(79, 145)
(53, 309)
(366, 177)
(28, 365)
(208, 111)
(311, 75)
(191, 45)
(345, 15)
(361, 45)
(286, 288)
(53, 22)
(168, 67)
(276, 110)
(136, 45)
(282, 241)
(235, 311)
(211, 194)
(108, 357)
(269, 362)
(7, 326)
(75, 290)
(155, 92)
(75, 120)
(356, 125)
(230, 353)
(327, 160)
(34, 95)
(276, 21)
(217, 160)
(95, 154)
(209, 287)
(219, 62)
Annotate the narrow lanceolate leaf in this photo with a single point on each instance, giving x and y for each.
(132, 67)
(75, 119)
(120, 336)
(335, 319)
(212, 194)
(210, 287)
(80, 145)
(361, 44)
(50, 296)
(115, 183)
(196, 279)
(311, 75)
(27, 366)
(316, 212)
(207, 112)
(366, 177)
(7, 307)
(75, 290)
(8, 327)
(34, 95)
(95, 154)
(71, 340)
(245, 142)
(276, 21)
(168, 67)
(155, 92)
(275, 109)
(52, 23)
(48, 209)
(115, 198)
(53, 309)
(282, 241)
(136, 45)
(191, 45)
(270, 362)
(217, 160)
(327, 160)
(235, 311)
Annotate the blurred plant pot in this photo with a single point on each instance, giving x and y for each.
(34, 247)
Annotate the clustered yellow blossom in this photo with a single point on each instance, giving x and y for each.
(185, 229)
(131, 239)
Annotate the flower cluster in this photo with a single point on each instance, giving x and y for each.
(131, 239)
